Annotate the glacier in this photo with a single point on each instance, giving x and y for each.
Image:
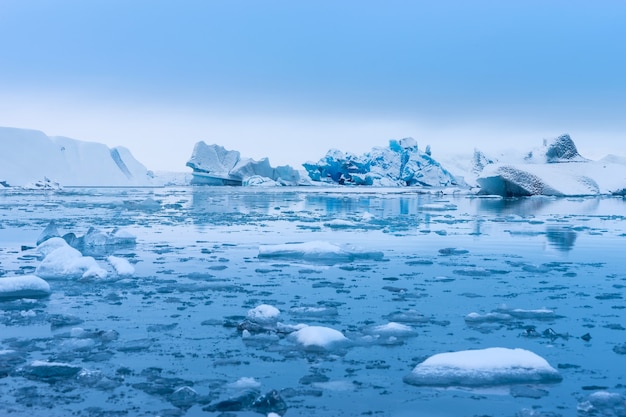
(34, 160)
(215, 165)
(554, 169)
(399, 164)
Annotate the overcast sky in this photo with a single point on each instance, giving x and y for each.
(291, 79)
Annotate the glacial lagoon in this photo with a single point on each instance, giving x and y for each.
(418, 275)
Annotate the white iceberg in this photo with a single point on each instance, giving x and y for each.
(555, 169)
(399, 164)
(483, 367)
(215, 165)
(32, 159)
(318, 337)
(23, 286)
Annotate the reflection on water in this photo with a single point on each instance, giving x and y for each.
(561, 238)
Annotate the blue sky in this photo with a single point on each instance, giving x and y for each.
(290, 80)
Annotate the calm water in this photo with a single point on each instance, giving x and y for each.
(174, 323)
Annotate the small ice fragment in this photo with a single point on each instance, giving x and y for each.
(121, 266)
(319, 336)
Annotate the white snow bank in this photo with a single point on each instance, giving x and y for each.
(318, 336)
(484, 367)
(23, 286)
(317, 251)
(62, 261)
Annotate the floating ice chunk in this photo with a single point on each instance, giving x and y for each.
(264, 314)
(603, 403)
(245, 383)
(67, 262)
(50, 371)
(536, 314)
(487, 318)
(121, 266)
(23, 286)
(392, 328)
(340, 224)
(484, 367)
(317, 251)
(319, 336)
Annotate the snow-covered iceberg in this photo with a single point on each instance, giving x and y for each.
(483, 367)
(29, 157)
(399, 164)
(215, 165)
(554, 169)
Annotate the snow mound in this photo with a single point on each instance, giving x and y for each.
(318, 336)
(399, 164)
(23, 286)
(317, 252)
(484, 367)
(215, 165)
(29, 156)
(556, 169)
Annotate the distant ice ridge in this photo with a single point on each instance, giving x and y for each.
(554, 169)
(215, 165)
(32, 159)
(483, 367)
(399, 164)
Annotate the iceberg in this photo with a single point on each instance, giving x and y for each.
(215, 165)
(399, 164)
(34, 160)
(483, 367)
(554, 169)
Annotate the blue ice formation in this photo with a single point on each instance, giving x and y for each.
(215, 165)
(399, 164)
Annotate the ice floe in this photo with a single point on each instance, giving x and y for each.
(318, 337)
(318, 252)
(483, 367)
(23, 286)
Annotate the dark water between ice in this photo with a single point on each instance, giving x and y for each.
(134, 342)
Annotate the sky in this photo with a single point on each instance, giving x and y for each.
(289, 79)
